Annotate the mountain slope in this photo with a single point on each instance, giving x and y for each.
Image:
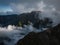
(49, 37)
(14, 19)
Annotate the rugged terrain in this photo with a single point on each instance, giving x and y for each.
(48, 37)
(14, 19)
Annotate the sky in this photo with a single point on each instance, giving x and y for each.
(20, 6)
(4, 8)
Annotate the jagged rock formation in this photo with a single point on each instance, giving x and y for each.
(23, 18)
(15, 18)
(48, 37)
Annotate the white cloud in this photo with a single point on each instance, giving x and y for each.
(20, 8)
(47, 10)
(41, 5)
(27, 7)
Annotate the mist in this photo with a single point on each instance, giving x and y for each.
(14, 33)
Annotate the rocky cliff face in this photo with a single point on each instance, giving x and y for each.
(14, 18)
(24, 18)
(48, 37)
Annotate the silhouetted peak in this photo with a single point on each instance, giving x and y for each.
(36, 12)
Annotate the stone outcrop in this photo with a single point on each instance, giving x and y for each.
(48, 37)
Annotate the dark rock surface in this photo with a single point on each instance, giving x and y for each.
(1, 43)
(25, 18)
(48, 37)
(14, 19)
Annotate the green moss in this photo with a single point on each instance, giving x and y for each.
(20, 23)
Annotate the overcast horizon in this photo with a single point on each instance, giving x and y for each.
(21, 6)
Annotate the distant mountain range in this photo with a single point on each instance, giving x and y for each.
(25, 18)
(13, 19)
(6, 13)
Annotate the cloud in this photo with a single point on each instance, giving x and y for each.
(27, 7)
(49, 11)
(7, 2)
(29, 4)
(20, 8)
(53, 2)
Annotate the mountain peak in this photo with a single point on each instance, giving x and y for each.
(36, 12)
